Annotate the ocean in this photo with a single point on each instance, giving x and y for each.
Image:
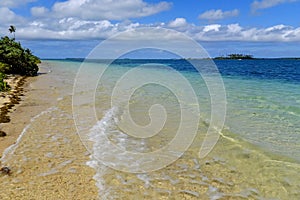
(161, 129)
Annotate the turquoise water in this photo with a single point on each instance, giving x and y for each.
(266, 113)
(256, 157)
(263, 98)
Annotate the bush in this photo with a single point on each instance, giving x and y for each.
(3, 84)
(4, 68)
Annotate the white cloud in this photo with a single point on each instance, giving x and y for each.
(7, 16)
(277, 28)
(104, 9)
(178, 22)
(75, 28)
(218, 14)
(234, 28)
(256, 5)
(212, 27)
(234, 32)
(39, 11)
(14, 3)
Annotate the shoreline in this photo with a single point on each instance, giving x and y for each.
(17, 109)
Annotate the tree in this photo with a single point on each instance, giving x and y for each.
(12, 29)
(17, 60)
(14, 59)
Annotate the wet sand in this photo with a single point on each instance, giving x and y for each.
(47, 161)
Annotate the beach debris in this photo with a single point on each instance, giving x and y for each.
(14, 98)
(2, 134)
(5, 170)
(189, 192)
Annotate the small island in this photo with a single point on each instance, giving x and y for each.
(235, 56)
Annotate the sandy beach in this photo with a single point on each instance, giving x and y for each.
(41, 169)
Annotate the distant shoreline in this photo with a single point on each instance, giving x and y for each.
(83, 59)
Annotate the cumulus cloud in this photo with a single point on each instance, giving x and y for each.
(103, 9)
(73, 29)
(178, 22)
(14, 3)
(256, 5)
(218, 14)
(234, 32)
(234, 28)
(76, 29)
(212, 27)
(7, 16)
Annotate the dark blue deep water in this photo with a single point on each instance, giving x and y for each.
(280, 69)
(287, 70)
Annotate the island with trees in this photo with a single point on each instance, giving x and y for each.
(235, 56)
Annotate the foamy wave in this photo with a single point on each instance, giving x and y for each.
(101, 135)
(96, 135)
(111, 144)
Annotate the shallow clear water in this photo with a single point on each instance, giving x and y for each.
(263, 98)
(257, 157)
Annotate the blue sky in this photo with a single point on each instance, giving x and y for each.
(72, 28)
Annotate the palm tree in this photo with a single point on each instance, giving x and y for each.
(28, 51)
(12, 29)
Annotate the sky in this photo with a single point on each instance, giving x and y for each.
(72, 28)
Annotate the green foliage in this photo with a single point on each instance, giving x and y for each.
(240, 56)
(15, 59)
(3, 85)
(4, 67)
